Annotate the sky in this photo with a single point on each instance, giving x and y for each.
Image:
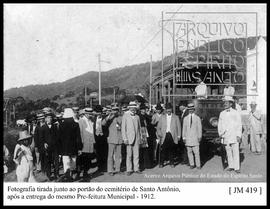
(46, 43)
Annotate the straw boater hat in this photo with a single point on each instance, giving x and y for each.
(115, 108)
(191, 106)
(88, 110)
(40, 116)
(68, 113)
(228, 98)
(253, 103)
(132, 104)
(75, 109)
(24, 135)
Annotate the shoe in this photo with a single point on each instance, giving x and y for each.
(138, 172)
(198, 167)
(129, 173)
(237, 171)
(229, 169)
(192, 167)
(111, 173)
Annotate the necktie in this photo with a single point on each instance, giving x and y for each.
(190, 120)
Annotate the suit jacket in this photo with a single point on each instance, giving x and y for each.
(194, 133)
(70, 137)
(131, 128)
(49, 136)
(175, 128)
(230, 126)
(87, 135)
(115, 135)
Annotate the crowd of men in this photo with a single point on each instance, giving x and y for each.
(133, 137)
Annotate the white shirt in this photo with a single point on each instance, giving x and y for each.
(191, 115)
(169, 119)
(201, 90)
(229, 91)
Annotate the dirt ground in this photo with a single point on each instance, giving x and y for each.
(253, 169)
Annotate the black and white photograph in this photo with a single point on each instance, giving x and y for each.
(149, 93)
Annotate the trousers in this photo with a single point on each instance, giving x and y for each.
(114, 157)
(167, 149)
(233, 155)
(132, 157)
(194, 151)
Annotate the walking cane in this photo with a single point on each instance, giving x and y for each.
(159, 152)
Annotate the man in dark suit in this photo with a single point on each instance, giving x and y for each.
(101, 134)
(182, 151)
(49, 143)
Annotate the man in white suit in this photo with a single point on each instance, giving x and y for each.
(230, 129)
(169, 132)
(192, 135)
(131, 134)
(255, 128)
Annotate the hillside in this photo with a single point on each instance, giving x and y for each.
(128, 77)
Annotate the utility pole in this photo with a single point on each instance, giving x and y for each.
(99, 78)
(150, 82)
(85, 101)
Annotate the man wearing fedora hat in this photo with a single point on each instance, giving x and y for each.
(50, 145)
(230, 130)
(23, 158)
(255, 128)
(131, 134)
(169, 132)
(192, 135)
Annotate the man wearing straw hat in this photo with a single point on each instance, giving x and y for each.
(23, 158)
(255, 129)
(113, 122)
(131, 134)
(88, 140)
(70, 141)
(230, 130)
(192, 135)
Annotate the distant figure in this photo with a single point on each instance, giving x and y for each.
(23, 158)
(192, 135)
(201, 90)
(255, 129)
(229, 89)
(131, 134)
(230, 130)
